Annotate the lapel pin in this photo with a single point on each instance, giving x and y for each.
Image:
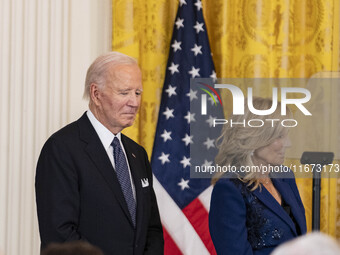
(145, 182)
(133, 155)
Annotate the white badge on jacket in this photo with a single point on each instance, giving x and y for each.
(145, 182)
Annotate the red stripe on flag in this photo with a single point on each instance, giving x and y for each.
(170, 247)
(199, 219)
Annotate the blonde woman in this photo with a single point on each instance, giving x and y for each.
(251, 212)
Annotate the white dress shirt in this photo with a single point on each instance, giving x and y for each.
(106, 137)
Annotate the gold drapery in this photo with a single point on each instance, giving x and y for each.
(143, 29)
(248, 38)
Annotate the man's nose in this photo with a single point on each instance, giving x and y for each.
(134, 101)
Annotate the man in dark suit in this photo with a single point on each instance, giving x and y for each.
(94, 183)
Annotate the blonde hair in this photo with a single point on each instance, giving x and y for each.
(236, 144)
(97, 72)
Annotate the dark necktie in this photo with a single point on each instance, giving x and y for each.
(123, 176)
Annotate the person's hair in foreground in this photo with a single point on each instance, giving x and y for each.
(237, 144)
(315, 243)
(71, 248)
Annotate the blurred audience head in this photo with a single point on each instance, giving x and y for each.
(315, 243)
(72, 248)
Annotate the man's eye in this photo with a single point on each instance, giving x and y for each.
(124, 93)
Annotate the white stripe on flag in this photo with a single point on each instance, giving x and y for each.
(205, 197)
(177, 225)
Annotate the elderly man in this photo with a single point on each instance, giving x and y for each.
(94, 183)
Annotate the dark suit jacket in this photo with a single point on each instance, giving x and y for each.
(79, 197)
(244, 222)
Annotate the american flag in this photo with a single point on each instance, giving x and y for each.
(183, 201)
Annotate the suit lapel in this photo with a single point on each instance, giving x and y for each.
(288, 195)
(98, 155)
(269, 201)
(134, 163)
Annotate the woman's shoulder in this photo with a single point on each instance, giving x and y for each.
(227, 193)
(232, 183)
(284, 173)
(228, 179)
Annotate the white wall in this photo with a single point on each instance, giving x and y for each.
(45, 49)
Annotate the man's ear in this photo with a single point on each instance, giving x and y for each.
(94, 93)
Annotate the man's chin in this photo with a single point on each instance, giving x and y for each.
(128, 123)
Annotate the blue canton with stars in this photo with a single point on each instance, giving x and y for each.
(189, 57)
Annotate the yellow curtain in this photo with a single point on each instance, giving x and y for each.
(143, 29)
(248, 38)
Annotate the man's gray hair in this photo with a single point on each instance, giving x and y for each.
(97, 72)
(315, 243)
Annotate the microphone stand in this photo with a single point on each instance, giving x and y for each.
(319, 159)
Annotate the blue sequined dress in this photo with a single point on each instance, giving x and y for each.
(245, 222)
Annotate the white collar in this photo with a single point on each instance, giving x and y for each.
(105, 135)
